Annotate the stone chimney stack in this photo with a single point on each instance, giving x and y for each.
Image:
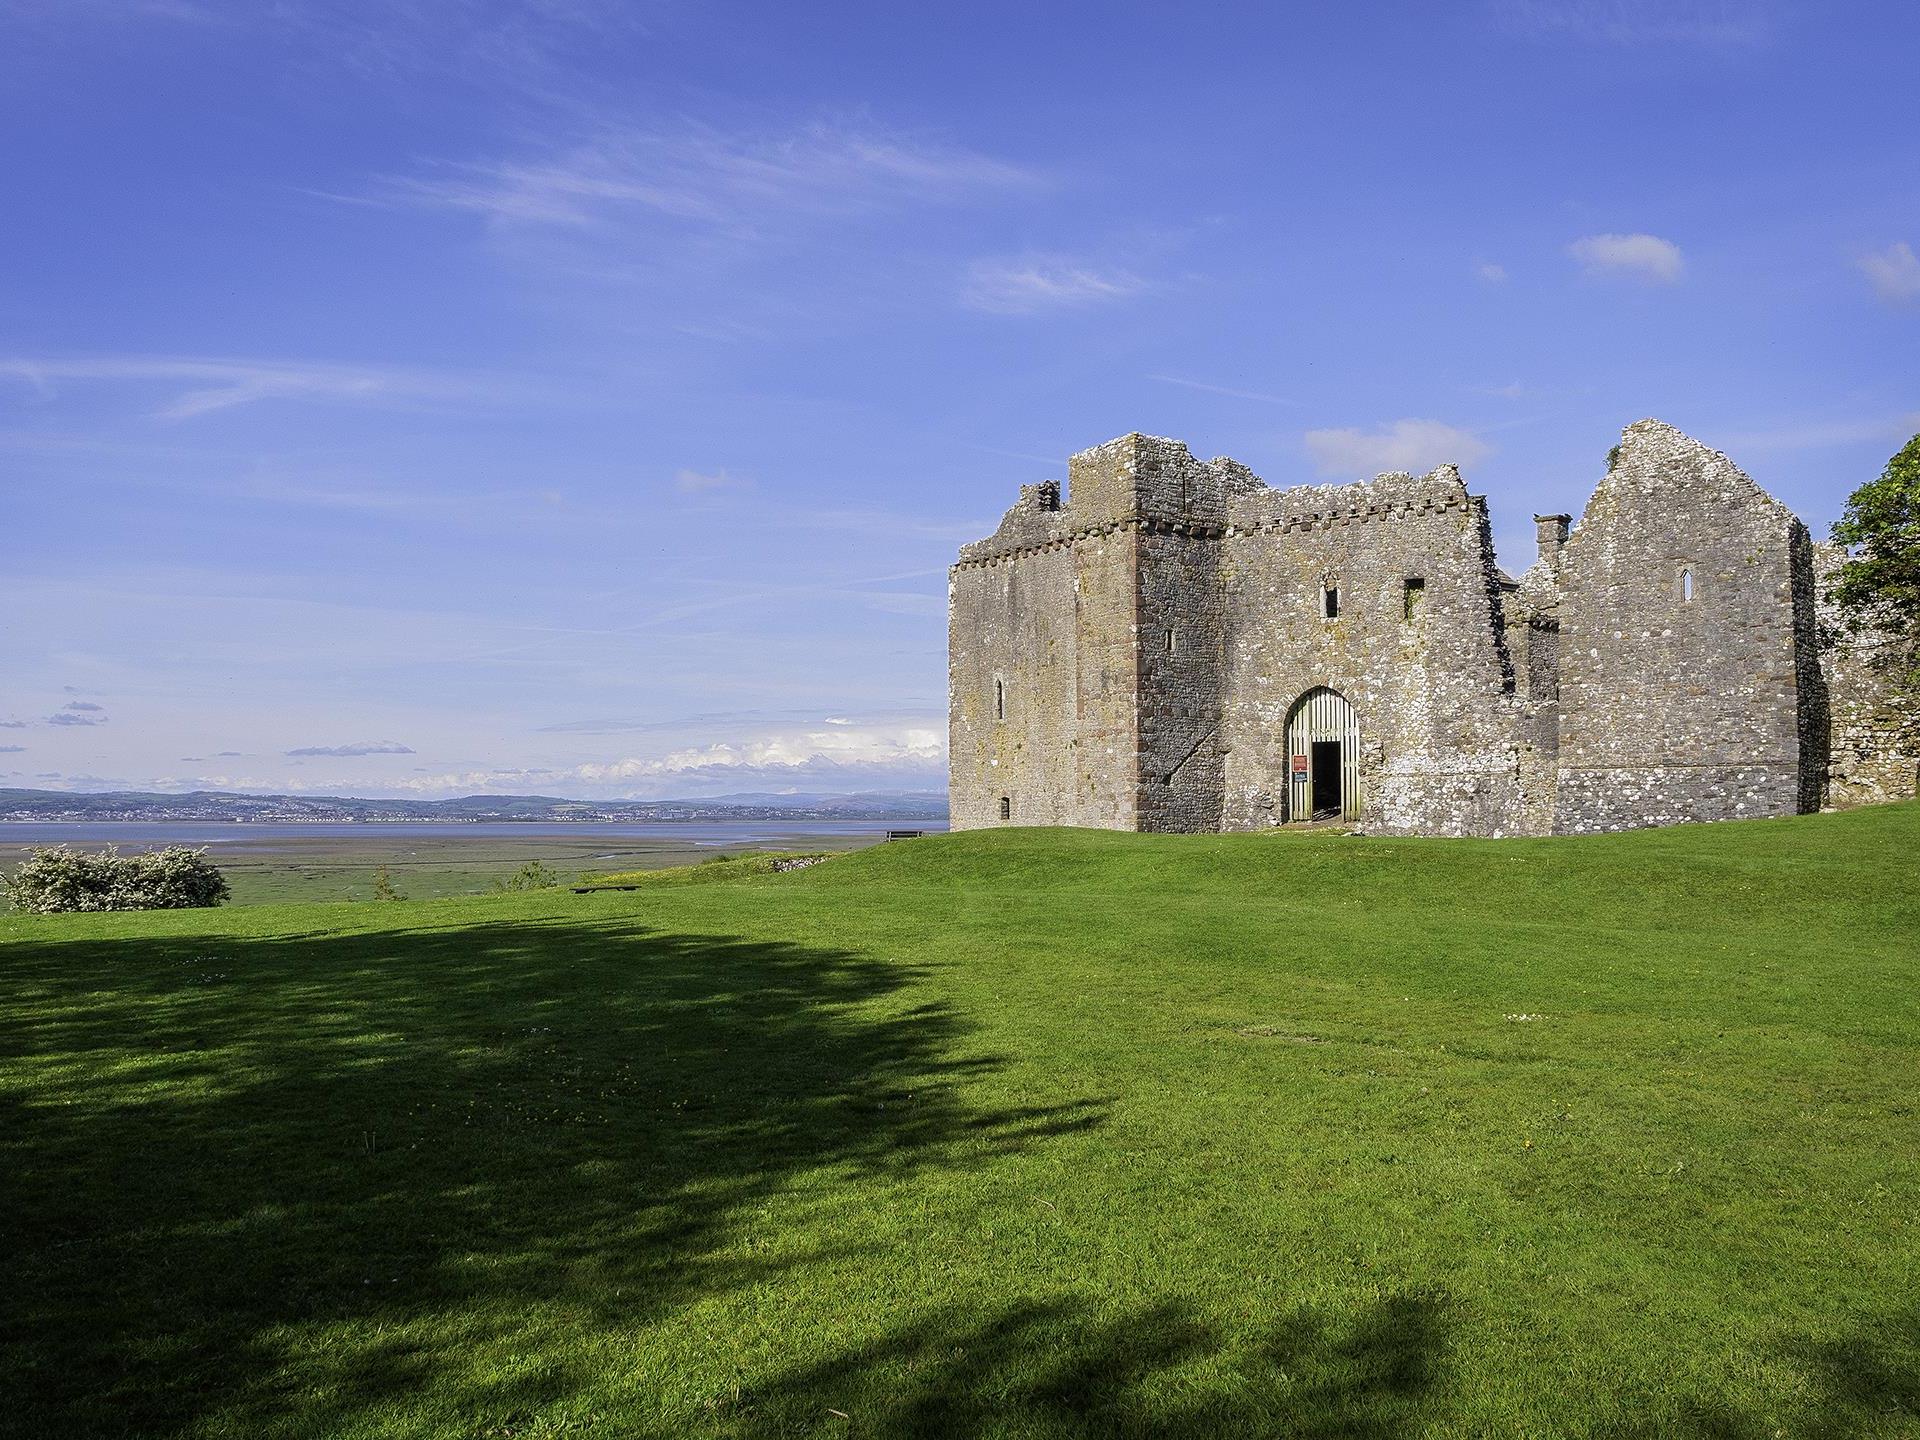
(1552, 533)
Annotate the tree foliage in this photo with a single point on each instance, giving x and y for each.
(1878, 589)
(531, 876)
(56, 878)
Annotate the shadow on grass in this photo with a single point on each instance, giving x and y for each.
(433, 1181)
(1070, 1368)
(1861, 1383)
(216, 1148)
(1363, 1369)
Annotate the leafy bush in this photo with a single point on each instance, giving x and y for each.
(530, 876)
(383, 886)
(56, 878)
(1878, 589)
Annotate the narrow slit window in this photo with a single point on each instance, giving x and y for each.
(1173, 641)
(1006, 807)
(1330, 602)
(1412, 596)
(999, 699)
(1686, 585)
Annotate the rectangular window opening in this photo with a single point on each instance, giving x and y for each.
(1412, 596)
(999, 699)
(1173, 641)
(1330, 602)
(1006, 807)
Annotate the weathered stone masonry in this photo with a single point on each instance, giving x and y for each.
(1175, 646)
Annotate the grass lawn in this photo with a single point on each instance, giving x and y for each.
(1011, 1133)
(275, 867)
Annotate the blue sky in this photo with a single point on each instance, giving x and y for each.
(437, 396)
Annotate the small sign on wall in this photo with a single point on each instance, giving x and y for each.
(1299, 767)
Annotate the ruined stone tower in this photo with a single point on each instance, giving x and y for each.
(1175, 646)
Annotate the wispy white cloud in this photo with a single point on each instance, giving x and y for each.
(1825, 434)
(1706, 24)
(704, 482)
(359, 747)
(115, 11)
(1059, 461)
(840, 744)
(847, 753)
(735, 724)
(1490, 273)
(904, 602)
(221, 384)
(705, 176)
(1412, 445)
(1227, 390)
(74, 716)
(1894, 273)
(1643, 257)
(1030, 285)
(887, 523)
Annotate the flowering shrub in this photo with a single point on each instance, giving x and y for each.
(57, 877)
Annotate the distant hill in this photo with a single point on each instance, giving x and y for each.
(224, 805)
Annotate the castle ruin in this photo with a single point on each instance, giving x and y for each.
(1173, 645)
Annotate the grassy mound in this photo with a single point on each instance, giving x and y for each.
(1013, 1133)
(715, 869)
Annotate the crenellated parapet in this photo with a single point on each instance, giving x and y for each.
(1385, 497)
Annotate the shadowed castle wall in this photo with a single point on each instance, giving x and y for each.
(1532, 610)
(1873, 752)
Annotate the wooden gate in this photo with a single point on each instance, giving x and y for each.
(1322, 717)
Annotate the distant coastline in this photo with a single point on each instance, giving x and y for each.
(227, 808)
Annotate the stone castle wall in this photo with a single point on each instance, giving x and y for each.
(1430, 683)
(1873, 752)
(1127, 656)
(1679, 683)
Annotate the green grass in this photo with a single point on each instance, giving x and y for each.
(714, 870)
(1011, 1133)
(279, 868)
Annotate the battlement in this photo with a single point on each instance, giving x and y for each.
(1307, 507)
(1154, 485)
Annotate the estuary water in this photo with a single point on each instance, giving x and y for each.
(268, 834)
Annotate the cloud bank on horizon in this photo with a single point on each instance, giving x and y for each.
(593, 396)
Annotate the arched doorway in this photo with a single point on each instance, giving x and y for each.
(1323, 758)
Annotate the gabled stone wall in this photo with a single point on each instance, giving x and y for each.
(1679, 671)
